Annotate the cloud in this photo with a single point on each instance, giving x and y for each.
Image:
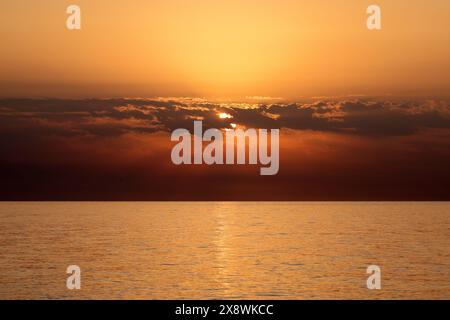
(112, 117)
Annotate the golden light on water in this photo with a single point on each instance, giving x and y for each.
(242, 250)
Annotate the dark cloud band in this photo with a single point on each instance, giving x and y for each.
(112, 117)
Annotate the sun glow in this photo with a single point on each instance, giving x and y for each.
(225, 116)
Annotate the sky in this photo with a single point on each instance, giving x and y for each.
(120, 149)
(226, 49)
(87, 114)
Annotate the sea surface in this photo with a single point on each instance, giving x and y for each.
(224, 250)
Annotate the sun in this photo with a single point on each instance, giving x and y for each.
(225, 116)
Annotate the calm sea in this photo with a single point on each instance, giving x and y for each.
(218, 250)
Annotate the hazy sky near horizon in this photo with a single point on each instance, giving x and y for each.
(217, 48)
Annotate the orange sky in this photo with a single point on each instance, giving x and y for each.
(217, 48)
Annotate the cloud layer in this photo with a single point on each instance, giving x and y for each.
(118, 116)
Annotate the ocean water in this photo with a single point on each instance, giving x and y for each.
(224, 250)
